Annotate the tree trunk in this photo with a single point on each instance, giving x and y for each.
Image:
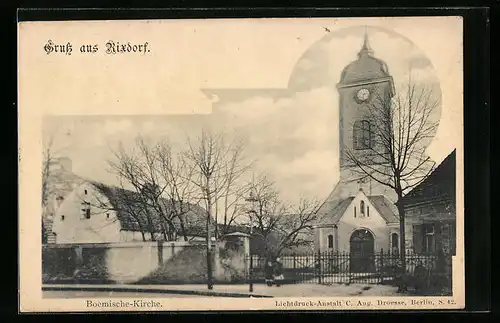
(209, 254)
(402, 237)
(141, 229)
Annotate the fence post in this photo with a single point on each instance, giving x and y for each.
(294, 261)
(381, 268)
(160, 252)
(319, 267)
(381, 257)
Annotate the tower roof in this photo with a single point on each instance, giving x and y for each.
(366, 67)
(365, 49)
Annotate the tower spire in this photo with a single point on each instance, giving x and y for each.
(366, 49)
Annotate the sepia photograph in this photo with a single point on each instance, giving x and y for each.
(274, 163)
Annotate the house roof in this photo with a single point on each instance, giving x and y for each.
(338, 210)
(132, 214)
(385, 208)
(439, 184)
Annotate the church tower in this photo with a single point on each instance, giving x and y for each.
(363, 87)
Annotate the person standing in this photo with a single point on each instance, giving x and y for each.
(278, 272)
(400, 277)
(420, 273)
(269, 273)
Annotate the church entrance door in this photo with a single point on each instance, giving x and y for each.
(362, 252)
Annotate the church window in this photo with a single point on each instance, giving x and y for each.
(354, 211)
(62, 217)
(362, 208)
(394, 241)
(367, 211)
(330, 241)
(362, 135)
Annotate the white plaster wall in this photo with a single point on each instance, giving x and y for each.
(102, 227)
(373, 223)
(128, 262)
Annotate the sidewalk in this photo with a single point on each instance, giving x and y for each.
(259, 290)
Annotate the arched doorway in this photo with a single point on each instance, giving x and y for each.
(362, 250)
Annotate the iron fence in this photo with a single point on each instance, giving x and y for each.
(330, 267)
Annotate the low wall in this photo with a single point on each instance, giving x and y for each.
(117, 262)
(143, 262)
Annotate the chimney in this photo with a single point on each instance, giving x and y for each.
(59, 200)
(66, 164)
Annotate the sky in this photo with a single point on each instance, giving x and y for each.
(292, 136)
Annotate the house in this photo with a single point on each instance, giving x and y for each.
(430, 210)
(97, 213)
(59, 181)
(360, 223)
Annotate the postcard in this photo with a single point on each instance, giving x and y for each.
(241, 164)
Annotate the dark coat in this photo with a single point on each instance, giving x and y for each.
(269, 271)
(278, 268)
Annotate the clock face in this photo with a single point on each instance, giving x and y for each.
(363, 94)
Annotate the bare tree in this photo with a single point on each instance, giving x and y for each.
(279, 225)
(128, 169)
(218, 166)
(162, 181)
(389, 148)
(177, 173)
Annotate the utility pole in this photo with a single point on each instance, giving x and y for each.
(252, 200)
(209, 253)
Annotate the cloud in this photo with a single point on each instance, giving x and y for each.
(419, 62)
(117, 126)
(293, 139)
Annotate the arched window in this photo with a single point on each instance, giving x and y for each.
(354, 211)
(394, 241)
(362, 208)
(330, 241)
(362, 135)
(367, 211)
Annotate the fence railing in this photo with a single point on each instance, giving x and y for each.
(342, 267)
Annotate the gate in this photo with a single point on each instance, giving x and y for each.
(362, 252)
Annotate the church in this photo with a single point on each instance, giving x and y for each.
(359, 216)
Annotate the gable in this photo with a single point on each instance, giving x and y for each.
(374, 209)
(354, 213)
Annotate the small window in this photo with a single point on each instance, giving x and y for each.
(362, 208)
(87, 213)
(354, 211)
(330, 241)
(429, 238)
(367, 211)
(62, 217)
(85, 192)
(107, 215)
(394, 241)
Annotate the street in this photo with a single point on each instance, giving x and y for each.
(93, 294)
